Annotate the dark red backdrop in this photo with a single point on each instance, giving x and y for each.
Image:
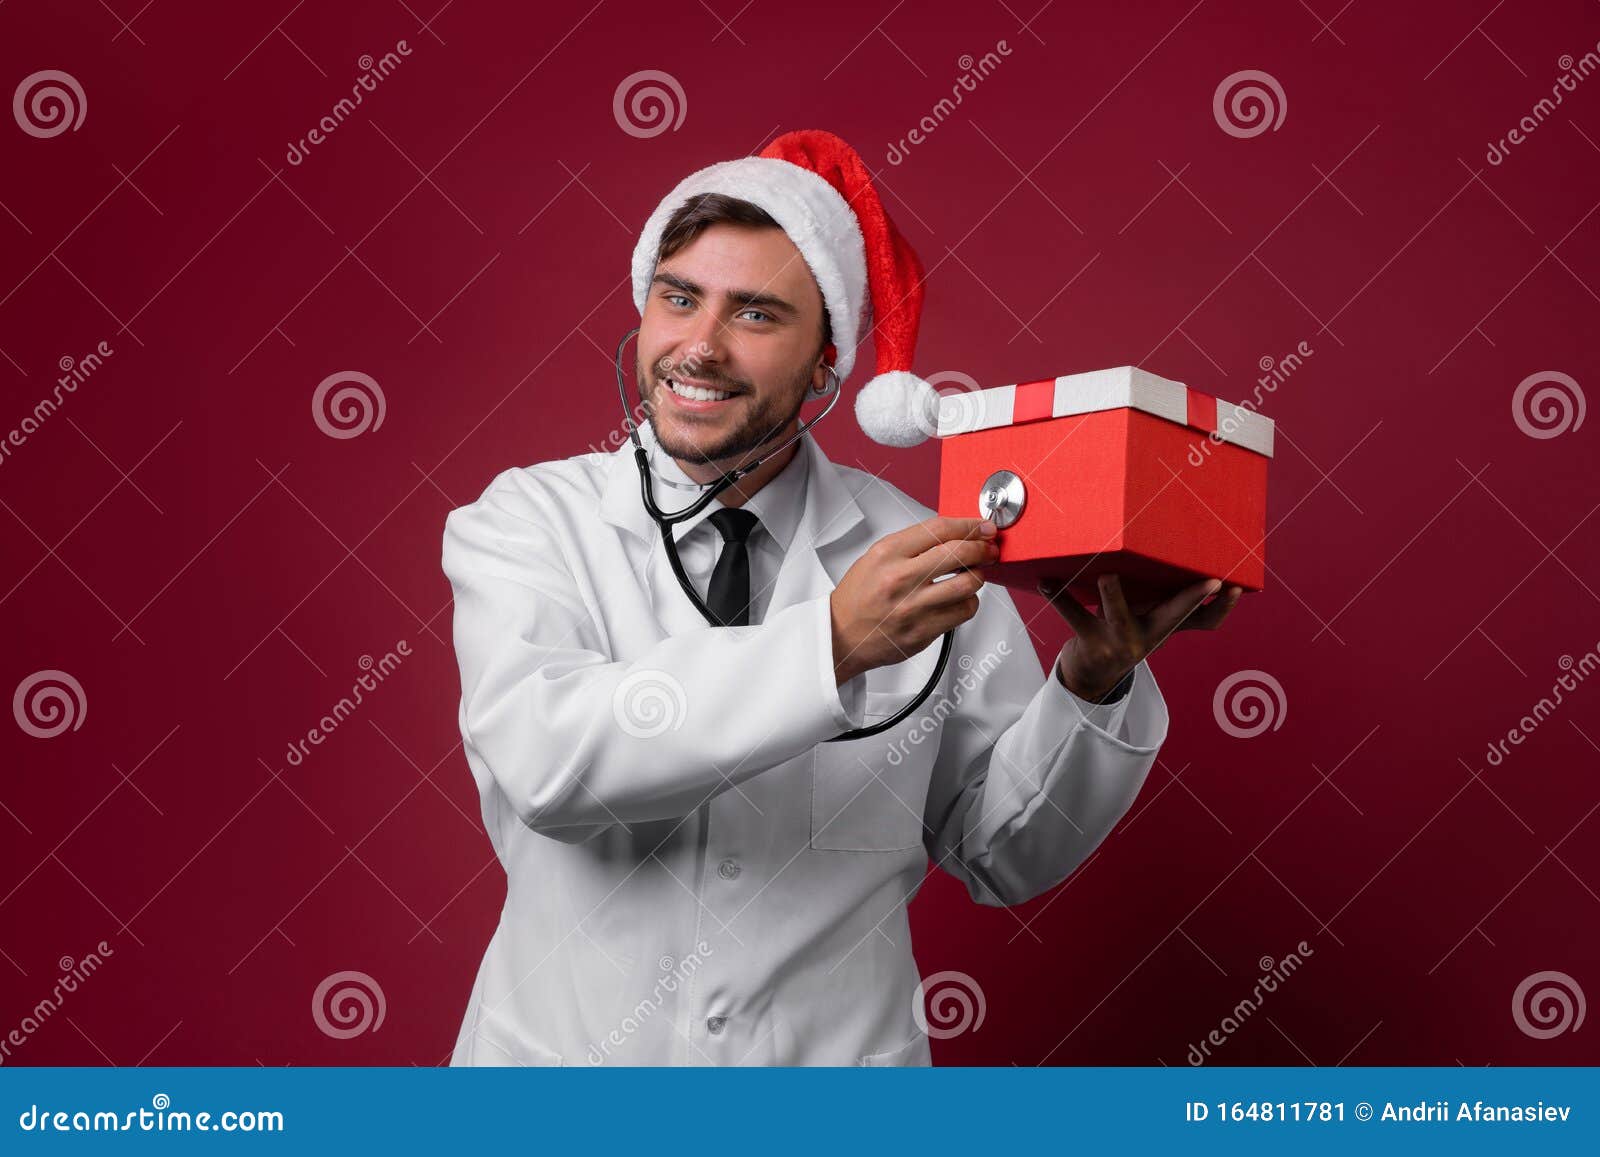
(185, 542)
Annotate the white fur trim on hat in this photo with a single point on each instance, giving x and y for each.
(817, 219)
(898, 409)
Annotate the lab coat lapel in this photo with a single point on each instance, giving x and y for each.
(621, 503)
(820, 549)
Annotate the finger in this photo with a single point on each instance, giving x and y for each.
(953, 556)
(914, 540)
(1113, 604)
(946, 591)
(1170, 615)
(1209, 617)
(936, 622)
(948, 618)
(1076, 614)
(931, 532)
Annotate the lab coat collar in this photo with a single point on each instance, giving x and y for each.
(829, 511)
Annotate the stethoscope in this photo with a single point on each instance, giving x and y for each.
(665, 521)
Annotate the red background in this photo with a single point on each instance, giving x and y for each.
(183, 540)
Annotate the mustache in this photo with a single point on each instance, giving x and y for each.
(665, 368)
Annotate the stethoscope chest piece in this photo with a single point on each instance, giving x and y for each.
(1002, 498)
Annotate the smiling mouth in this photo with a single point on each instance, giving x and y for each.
(697, 393)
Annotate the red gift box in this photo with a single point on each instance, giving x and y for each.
(1115, 471)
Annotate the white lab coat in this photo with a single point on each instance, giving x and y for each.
(693, 875)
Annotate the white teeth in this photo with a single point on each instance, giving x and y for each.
(695, 393)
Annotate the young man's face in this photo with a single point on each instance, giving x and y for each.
(730, 341)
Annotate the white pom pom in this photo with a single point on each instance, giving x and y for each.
(898, 409)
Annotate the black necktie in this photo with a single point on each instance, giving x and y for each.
(729, 593)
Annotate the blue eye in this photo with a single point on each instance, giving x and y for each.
(764, 316)
(675, 298)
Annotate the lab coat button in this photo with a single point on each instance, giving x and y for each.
(715, 1024)
(729, 869)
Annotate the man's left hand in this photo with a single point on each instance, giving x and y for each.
(1105, 647)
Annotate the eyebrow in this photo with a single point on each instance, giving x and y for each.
(744, 298)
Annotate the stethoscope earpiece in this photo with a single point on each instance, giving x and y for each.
(830, 386)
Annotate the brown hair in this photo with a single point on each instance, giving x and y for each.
(704, 210)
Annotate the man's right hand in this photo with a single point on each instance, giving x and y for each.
(888, 606)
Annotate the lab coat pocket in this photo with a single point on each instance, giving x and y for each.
(914, 1052)
(867, 794)
(498, 1043)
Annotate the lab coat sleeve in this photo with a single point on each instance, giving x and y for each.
(1029, 778)
(576, 741)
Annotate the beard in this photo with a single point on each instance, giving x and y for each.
(766, 414)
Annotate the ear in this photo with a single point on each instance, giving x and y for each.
(824, 378)
(830, 358)
(821, 379)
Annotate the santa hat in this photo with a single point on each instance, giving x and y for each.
(820, 193)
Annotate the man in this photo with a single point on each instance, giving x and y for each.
(695, 874)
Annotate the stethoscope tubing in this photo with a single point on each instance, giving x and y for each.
(666, 520)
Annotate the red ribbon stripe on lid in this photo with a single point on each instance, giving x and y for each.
(1034, 401)
(1202, 410)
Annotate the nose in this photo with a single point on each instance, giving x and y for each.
(706, 342)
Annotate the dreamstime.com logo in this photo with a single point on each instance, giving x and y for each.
(374, 672)
(348, 1004)
(648, 103)
(973, 672)
(1273, 973)
(1249, 103)
(1547, 404)
(72, 974)
(1553, 1000)
(373, 72)
(1573, 72)
(689, 366)
(1248, 703)
(673, 973)
(74, 372)
(47, 703)
(649, 703)
(1274, 372)
(348, 404)
(1576, 671)
(956, 407)
(972, 72)
(948, 1004)
(160, 1117)
(49, 103)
